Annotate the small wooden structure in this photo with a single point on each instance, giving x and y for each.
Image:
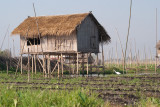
(62, 35)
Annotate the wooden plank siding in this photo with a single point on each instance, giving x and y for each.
(87, 36)
(51, 44)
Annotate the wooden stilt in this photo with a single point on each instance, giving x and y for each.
(91, 66)
(43, 67)
(35, 65)
(87, 64)
(28, 66)
(97, 67)
(73, 66)
(48, 64)
(62, 63)
(77, 63)
(21, 64)
(32, 64)
(58, 66)
(69, 64)
(83, 63)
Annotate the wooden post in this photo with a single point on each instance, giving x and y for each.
(35, 65)
(117, 56)
(58, 66)
(77, 63)
(91, 66)
(28, 66)
(21, 64)
(48, 63)
(43, 67)
(72, 65)
(102, 55)
(156, 43)
(83, 63)
(32, 64)
(69, 64)
(97, 67)
(87, 64)
(62, 63)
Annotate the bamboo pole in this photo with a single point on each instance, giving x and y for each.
(4, 37)
(102, 54)
(69, 64)
(58, 66)
(117, 56)
(48, 64)
(32, 64)
(97, 68)
(127, 36)
(54, 67)
(43, 67)
(77, 63)
(136, 56)
(83, 63)
(28, 66)
(35, 65)
(145, 57)
(87, 64)
(156, 43)
(121, 49)
(130, 55)
(21, 65)
(150, 57)
(91, 65)
(62, 63)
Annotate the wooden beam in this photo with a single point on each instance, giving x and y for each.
(32, 64)
(62, 63)
(77, 63)
(97, 68)
(91, 66)
(54, 67)
(87, 64)
(35, 65)
(48, 64)
(43, 65)
(58, 66)
(28, 66)
(83, 63)
(21, 64)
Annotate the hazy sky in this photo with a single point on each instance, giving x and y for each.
(110, 13)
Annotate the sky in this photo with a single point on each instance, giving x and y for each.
(112, 14)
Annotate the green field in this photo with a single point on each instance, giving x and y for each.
(108, 90)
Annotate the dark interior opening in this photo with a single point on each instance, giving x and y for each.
(34, 41)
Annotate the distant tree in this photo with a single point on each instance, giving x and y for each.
(5, 53)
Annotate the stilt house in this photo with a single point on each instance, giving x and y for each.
(76, 33)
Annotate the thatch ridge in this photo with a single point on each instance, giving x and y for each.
(59, 25)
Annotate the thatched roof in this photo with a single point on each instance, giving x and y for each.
(56, 25)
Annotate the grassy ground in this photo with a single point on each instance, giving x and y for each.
(112, 90)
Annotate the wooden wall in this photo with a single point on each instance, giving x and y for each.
(51, 44)
(87, 36)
